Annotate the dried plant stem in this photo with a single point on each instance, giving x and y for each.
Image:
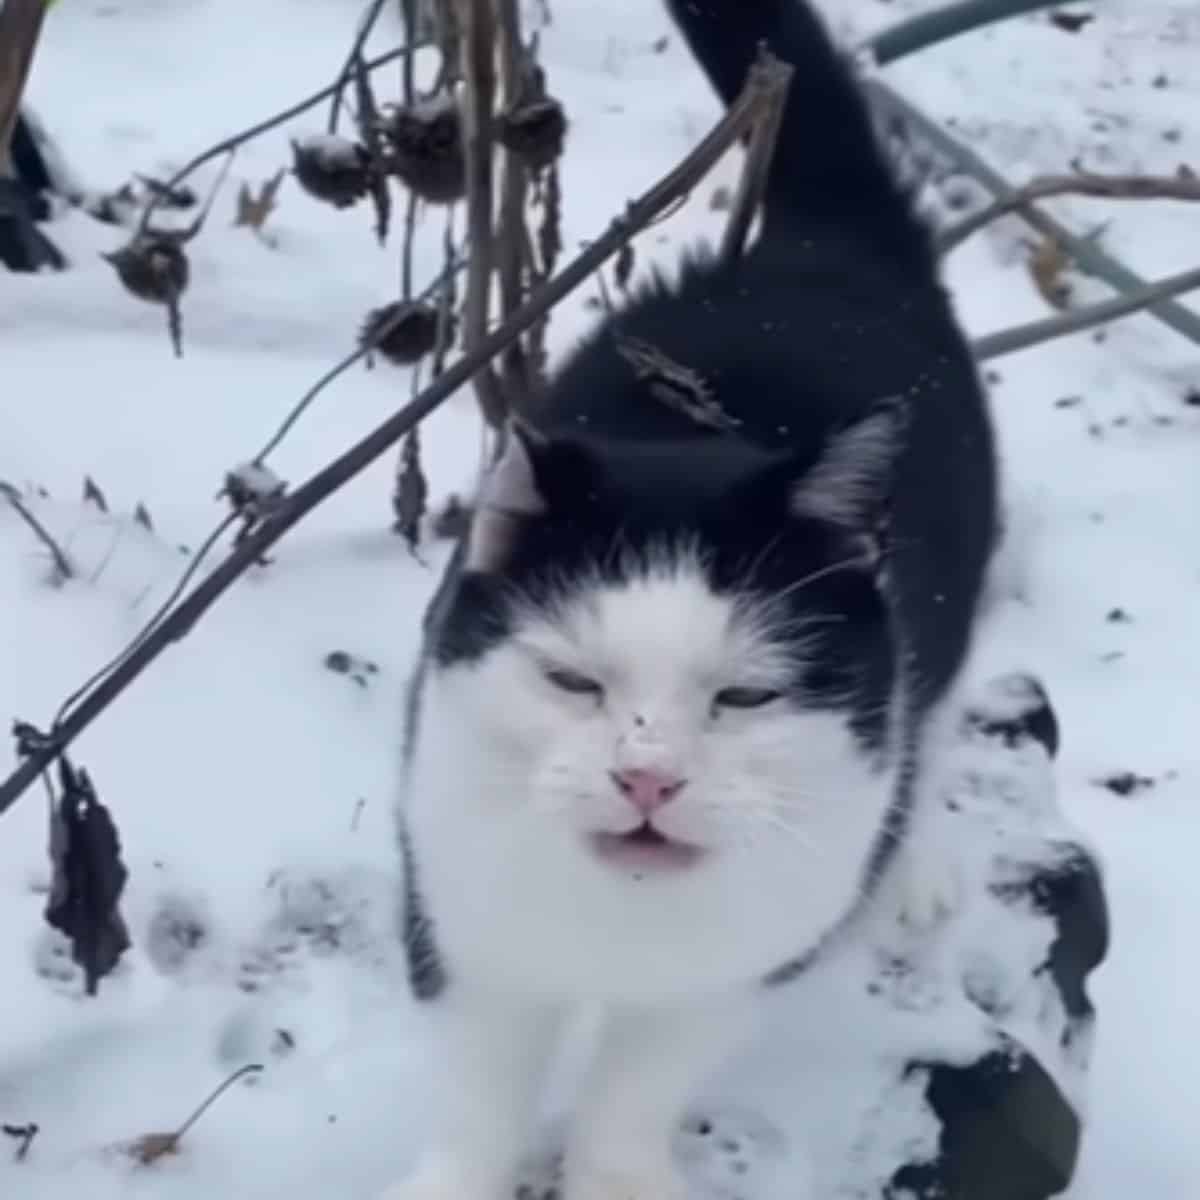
(246, 135)
(294, 507)
(753, 180)
(478, 33)
(1021, 337)
(1089, 256)
(20, 27)
(62, 564)
(928, 29)
(356, 48)
(215, 1095)
(1080, 183)
(514, 190)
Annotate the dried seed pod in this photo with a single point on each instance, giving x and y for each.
(535, 131)
(153, 267)
(332, 169)
(425, 149)
(412, 330)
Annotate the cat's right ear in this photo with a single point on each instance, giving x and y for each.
(509, 496)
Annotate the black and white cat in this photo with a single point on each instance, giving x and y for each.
(667, 726)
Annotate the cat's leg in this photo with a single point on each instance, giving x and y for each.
(649, 1065)
(490, 1055)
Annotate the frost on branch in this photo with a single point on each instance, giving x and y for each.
(254, 491)
(331, 168)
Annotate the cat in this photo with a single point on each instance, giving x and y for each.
(665, 735)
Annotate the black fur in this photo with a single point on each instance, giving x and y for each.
(836, 307)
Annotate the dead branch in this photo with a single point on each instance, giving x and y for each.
(752, 182)
(1021, 337)
(929, 28)
(511, 234)
(20, 27)
(346, 75)
(231, 143)
(1184, 186)
(1089, 256)
(62, 564)
(475, 19)
(295, 507)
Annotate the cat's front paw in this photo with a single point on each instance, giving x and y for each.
(660, 1181)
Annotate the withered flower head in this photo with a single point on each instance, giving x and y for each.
(332, 169)
(411, 331)
(424, 145)
(534, 130)
(153, 267)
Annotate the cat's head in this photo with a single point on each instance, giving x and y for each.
(669, 656)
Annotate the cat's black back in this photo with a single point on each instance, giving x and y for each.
(837, 306)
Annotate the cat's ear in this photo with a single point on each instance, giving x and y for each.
(508, 496)
(533, 476)
(850, 484)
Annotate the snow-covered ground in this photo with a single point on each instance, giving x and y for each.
(252, 784)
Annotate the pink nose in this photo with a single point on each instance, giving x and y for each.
(647, 789)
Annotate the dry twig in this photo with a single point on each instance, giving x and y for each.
(478, 32)
(512, 235)
(149, 1148)
(752, 182)
(62, 564)
(231, 143)
(1089, 256)
(1184, 186)
(1021, 337)
(349, 67)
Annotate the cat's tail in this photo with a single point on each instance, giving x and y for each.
(829, 169)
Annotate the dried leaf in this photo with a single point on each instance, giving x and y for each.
(677, 386)
(253, 210)
(623, 268)
(149, 1148)
(1047, 262)
(87, 879)
(412, 492)
(92, 494)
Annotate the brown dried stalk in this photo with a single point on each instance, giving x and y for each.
(1021, 337)
(1184, 186)
(752, 182)
(515, 381)
(295, 507)
(20, 27)
(478, 32)
(62, 564)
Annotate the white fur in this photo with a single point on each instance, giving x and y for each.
(509, 777)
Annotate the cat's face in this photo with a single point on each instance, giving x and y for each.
(662, 676)
(654, 725)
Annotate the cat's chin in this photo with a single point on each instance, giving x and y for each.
(644, 850)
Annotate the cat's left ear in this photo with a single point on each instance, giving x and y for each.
(508, 496)
(850, 486)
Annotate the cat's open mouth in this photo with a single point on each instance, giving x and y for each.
(644, 848)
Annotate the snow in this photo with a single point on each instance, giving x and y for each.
(252, 784)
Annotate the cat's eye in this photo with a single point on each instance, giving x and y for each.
(573, 682)
(744, 697)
